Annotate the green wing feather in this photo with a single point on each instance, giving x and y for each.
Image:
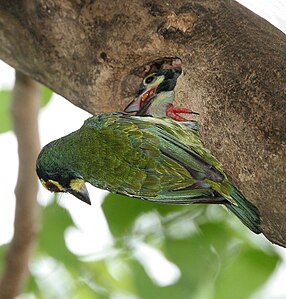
(183, 171)
(154, 159)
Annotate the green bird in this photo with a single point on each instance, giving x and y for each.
(159, 160)
(156, 94)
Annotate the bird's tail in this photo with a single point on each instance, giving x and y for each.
(245, 211)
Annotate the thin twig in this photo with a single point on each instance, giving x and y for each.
(24, 111)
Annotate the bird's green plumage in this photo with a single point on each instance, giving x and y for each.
(154, 159)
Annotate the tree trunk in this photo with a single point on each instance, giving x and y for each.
(24, 111)
(95, 53)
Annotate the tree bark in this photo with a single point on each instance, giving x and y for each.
(95, 53)
(24, 110)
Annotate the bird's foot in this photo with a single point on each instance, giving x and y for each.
(172, 112)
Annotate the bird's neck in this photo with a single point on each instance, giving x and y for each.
(160, 102)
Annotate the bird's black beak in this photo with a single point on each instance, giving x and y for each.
(81, 194)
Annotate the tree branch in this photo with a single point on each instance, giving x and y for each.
(24, 108)
(95, 55)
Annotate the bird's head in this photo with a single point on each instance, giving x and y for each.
(152, 85)
(58, 179)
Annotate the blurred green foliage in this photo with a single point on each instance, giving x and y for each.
(214, 253)
(5, 123)
(5, 96)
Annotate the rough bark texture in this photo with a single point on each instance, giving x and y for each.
(24, 110)
(95, 53)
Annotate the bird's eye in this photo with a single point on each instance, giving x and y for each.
(52, 187)
(149, 79)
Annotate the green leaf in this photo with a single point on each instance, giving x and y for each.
(82, 291)
(5, 119)
(46, 95)
(3, 250)
(55, 221)
(99, 280)
(32, 286)
(146, 288)
(197, 261)
(122, 211)
(249, 271)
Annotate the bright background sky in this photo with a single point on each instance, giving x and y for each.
(92, 235)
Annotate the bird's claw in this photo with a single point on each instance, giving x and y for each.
(172, 112)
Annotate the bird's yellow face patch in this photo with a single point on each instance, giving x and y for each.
(76, 184)
(53, 186)
(153, 80)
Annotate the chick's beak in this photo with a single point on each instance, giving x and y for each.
(81, 194)
(134, 106)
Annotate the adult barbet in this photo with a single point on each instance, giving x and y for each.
(159, 160)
